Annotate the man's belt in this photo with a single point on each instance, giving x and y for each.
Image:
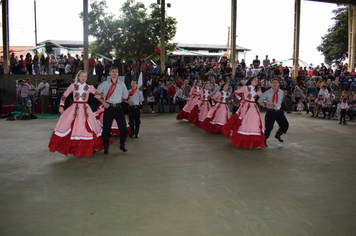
(115, 104)
(135, 106)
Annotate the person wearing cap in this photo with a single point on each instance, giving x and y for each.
(272, 100)
(110, 93)
(135, 99)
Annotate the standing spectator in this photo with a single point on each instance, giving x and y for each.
(53, 65)
(186, 88)
(76, 63)
(99, 71)
(289, 98)
(109, 60)
(91, 64)
(343, 106)
(61, 65)
(180, 98)
(13, 63)
(60, 80)
(68, 69)
(161, 98)
(32, 94)
(119, 64)
(42, 64)
(23, 92)
(43, 88)
(46, 65)
(171, 91)
(28, 61)
(168, 63)
(36, 65)
(256, 63)
(135, 99)
(54, 96)
(266, 62)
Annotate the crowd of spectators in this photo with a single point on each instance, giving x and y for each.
(312, 87)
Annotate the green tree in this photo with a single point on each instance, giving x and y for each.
(135, 32)
(334, 43)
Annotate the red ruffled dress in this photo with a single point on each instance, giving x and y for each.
(99, 114)
(193, 100)
(200, 111)
(77, 131)
(218, 114)
(245, 127)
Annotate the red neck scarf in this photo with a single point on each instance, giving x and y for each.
(275, 96)
(111, 90)
(132, 92)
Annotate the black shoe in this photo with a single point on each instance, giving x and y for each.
(106, 148)
(278, 136)
(131, 136)
(288, 112)
(122, 147)
(266, 143)
(137, 136)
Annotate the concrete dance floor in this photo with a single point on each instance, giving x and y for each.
(176, 179)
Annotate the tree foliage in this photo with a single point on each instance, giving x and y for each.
(334, 44)
(135, 32)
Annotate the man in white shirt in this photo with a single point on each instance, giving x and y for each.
(68, 69)
(43, 88)
(324, 92)
(61, 65)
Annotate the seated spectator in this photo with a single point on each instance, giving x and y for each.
(311, 104)
(331, 104)
(351, 82)
(329, 85)
(321, 106)
(233, 82)
(151, 100)
(352, 108)
(324, 92)
(343, 81)
(283, 84)
(319, 83)
(265, 84)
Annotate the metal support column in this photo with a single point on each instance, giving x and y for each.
(5, 35)
(296, 38)
(233, 36)
(85, 32)
(352, 36)
(163, 48)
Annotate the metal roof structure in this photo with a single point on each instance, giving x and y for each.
(352, 2)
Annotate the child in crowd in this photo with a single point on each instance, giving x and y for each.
(151, 101)
(300, 106)
(343, 106)
(320, 106)
(331, 103)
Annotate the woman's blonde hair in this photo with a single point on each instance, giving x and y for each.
(78, 74)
